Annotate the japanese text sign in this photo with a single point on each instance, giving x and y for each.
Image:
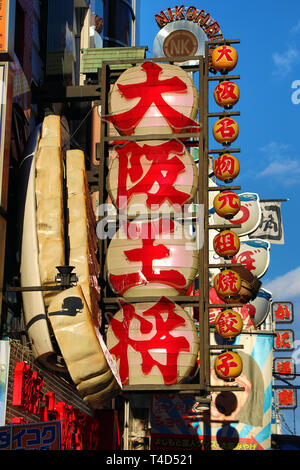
(282, 312)
(153, 98)
(284, 340)
(33, 436)
(286, 398)
(153, 343)
(285, 367)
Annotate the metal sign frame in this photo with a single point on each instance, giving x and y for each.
(108, 75)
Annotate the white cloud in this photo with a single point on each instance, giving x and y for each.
(279, 163)
(284, 62)
(286, 287)
(282, 168)
(295, 29)
(273, 149)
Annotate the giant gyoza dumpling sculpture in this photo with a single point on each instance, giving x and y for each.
(63, 323)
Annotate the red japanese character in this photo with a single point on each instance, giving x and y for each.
(146, 255)
(284, 367)
(282, 312)
(227, 282)
(225, 164)
(228, 198)
(225, 242)
(161, 339)
(283, 340)
(162, 173)
(226, 363)
(225, 90)
(225, 128)
(285, 397)
(226, 52)
(227, 323)
(150, 92)
(246, 259)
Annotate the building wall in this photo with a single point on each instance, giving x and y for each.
(25, 16)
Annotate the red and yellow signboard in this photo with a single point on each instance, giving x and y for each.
(227, 284)
(226, 244)
(225, 131)
(228, 365)
(229, 324)
(224, 58)
(226, 94)
(226, 167)
(227, 204)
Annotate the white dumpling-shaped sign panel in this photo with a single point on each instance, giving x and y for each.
(153, 343)
(254, 255)
(153, 98)
(151, 258)
(158, 176)
(248, 217)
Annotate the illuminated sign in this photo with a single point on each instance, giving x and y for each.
(248, 216)
(77, 429)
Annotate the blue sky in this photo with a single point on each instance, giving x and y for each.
(269, 139)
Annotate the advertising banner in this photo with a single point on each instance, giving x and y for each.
(4, 368)
(238, 420)
(271, 226)
(33, 436)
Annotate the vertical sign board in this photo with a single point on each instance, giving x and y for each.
(4, 369)
(6, 84)
(33, 436)
(7, 29)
